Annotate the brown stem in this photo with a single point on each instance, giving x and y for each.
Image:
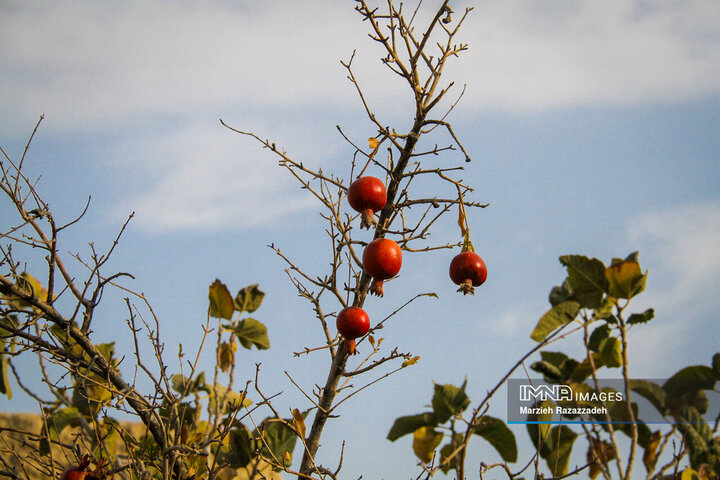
(337, 367)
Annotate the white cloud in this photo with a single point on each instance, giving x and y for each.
(102, 66)
(108, 62)
(204, 176)
(683, 244)
(530, 56)
(681, 249)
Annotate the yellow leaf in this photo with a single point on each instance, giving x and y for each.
(299, 422)
(689, 474)
(222, 304)
(410, 361)
(30, 283)
(625, 279)
(425, 441)
(598, 456)
(373, 142)
(650, 454)
(32, 286)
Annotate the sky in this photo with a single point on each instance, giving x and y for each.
(594, 129)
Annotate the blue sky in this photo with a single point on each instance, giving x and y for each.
(594, 128)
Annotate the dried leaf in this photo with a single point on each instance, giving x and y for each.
(299, 422)
(462, 220)
(226, 356)
(410, 361)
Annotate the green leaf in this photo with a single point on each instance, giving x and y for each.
(445, 452)
(561, 293)
(605, 311)
(499, 436)
(251, 333)
(644, 317)
(186, 386)
(690, 379)
(408, 424)
(625, 279)
(221, 302)
(538, 431)
(583, 370)
(698, 435)
(716, 364)
(587, 279)
(227, 399)
(598, 336)
(550, 372)
(557, 316)
(56, 423)
(633, 257)
(448, 401)
(241, 448)
(64, 417)
(555, 358)
(278, 440)
(425, 441)
(558, 447)
(653, 392)
(555, 366)
(611, 352)
(249, 299)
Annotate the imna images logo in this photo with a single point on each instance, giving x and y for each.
(599, 401)
(563, 393)
(536, 401)
(542, 393)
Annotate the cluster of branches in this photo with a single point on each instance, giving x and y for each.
(418, 57)
(50, 316)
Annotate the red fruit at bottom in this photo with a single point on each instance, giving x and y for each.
(78, 472)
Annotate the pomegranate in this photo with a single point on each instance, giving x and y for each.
(368, 196)
(382, 259)
(468, 270)
(352, 322)
(78, 472)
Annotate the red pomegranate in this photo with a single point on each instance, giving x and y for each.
(382, 259)
(352, 322)
(367, 195)
(468, 270)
